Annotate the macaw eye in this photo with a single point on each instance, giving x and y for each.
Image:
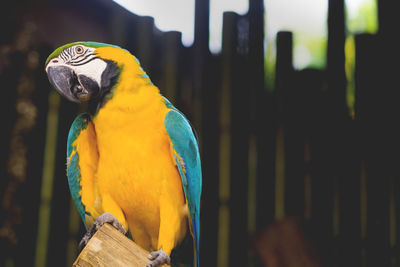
(79, 49)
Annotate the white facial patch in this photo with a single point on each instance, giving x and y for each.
(82, 60)
(92, 69)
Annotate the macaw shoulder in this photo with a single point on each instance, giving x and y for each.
(82, 138)
(79, 124)
(181, 133)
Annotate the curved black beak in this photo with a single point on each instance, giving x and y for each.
(76, 88)
(63, 79)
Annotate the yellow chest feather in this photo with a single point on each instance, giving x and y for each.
(135, 165)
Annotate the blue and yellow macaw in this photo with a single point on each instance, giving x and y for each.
(133, 160)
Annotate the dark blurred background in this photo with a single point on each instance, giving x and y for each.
(300, 165)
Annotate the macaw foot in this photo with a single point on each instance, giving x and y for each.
(158, 257)
(102, 219)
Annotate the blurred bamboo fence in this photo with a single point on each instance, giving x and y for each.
(292, 158)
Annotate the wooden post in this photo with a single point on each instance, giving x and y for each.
(376, 141)
(200, 58)
(108, 247)
(170, 71)
(287, 191)
(239, 124)
(145, 45)
(229, 38)
(210, 158)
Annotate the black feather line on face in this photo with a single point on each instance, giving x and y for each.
(83, 63)
(81, 58)
(109, 78)
(63, 57)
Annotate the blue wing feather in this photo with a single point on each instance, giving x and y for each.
(185, 145)
(73, 170)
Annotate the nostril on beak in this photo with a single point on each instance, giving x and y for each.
(54, 61)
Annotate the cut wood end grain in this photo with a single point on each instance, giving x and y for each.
(108, 247)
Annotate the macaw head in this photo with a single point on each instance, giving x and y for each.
(83, 71)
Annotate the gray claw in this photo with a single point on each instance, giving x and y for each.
(102, 219)
(158, 257)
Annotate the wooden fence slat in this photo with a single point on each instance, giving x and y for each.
(240, 130)
(210, 144)
(200, 56)
(229, 42)
(266, 136)
(257, 120)
(171, 58)
(336, 77)
(388, 109)
(291, 108)
(283, 78)
(375, 145)
(206, 81)
(321, 176)
(344, 160)
(145, 45)
(350, 249)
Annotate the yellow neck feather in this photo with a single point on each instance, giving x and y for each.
(134, 89)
